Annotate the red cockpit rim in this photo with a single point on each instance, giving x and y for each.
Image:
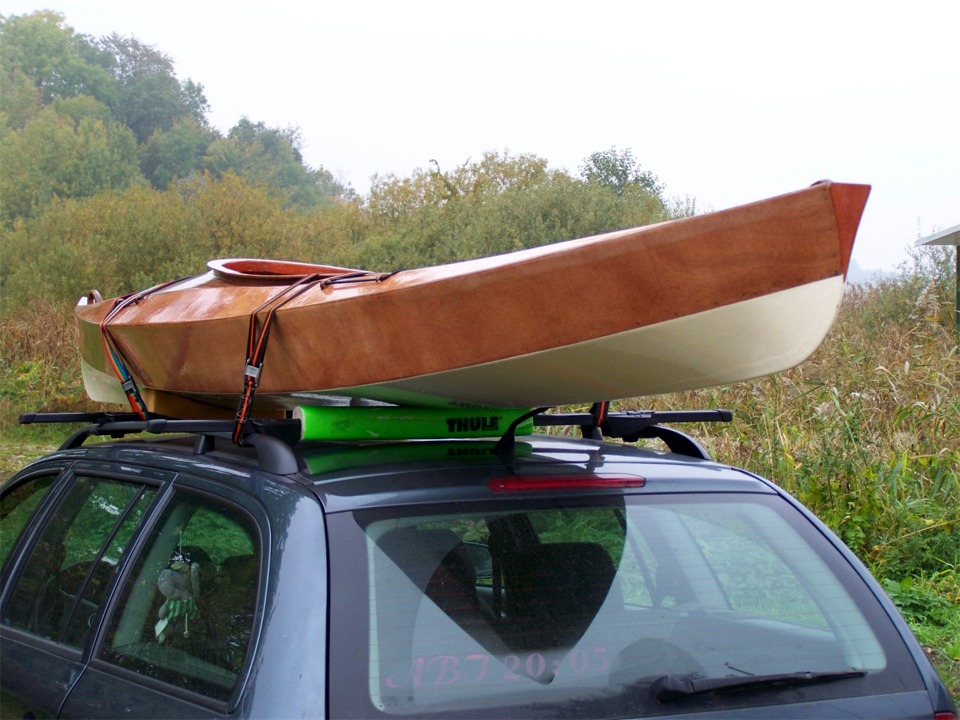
(272, 270)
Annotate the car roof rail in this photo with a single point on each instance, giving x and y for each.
(628, 425)
(272, 438)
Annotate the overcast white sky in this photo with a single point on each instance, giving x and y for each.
(727, 102)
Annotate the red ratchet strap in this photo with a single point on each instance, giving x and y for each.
(112, 349)
(599, 412)
(257, 346)
(257, 341)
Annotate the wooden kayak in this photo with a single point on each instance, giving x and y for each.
(680, 305)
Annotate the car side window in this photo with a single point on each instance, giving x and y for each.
(59, 591)
(16, 508)
(186, 613)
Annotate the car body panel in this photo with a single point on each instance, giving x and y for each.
(301, 640)
(36, 677)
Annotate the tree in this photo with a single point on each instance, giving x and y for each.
(619, 170)
(270, 157)
(177, 153)
(392, 198)
(497, 204)
(59, 62)
(149, 96)
(70, 149)
(21, 99)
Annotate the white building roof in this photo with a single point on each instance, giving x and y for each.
(950, 236)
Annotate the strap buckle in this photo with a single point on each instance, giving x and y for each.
(253, 372)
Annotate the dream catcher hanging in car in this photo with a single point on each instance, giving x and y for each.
(180, 585)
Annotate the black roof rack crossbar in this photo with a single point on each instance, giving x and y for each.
(630, 426)
(628, 423)
(271, 437)
(77, 417)
(635, 425)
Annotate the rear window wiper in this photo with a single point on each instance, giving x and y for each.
(674, 687)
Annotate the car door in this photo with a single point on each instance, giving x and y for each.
(177, 638)
(72, 531)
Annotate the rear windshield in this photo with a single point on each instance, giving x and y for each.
(577, 609)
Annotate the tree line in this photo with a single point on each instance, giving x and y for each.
(81, 115)
(113, 178)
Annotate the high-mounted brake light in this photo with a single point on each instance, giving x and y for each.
(560, 482)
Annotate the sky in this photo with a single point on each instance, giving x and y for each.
(726, 102)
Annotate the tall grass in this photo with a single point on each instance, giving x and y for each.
(39, 365)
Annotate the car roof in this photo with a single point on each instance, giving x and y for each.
(471, 470)
(351, 474)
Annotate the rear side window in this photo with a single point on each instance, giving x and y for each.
(59, 591)
(185, 615)
(16, 508)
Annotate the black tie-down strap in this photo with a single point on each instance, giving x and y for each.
(257, 346)
(257, 337)
(111, 347)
